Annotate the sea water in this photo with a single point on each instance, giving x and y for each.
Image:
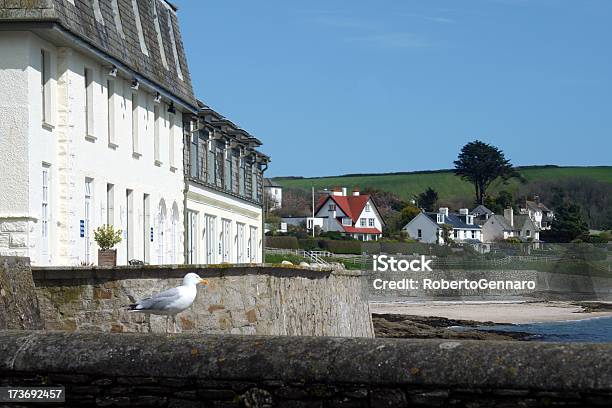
(593, 330)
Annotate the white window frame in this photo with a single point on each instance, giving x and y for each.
(347, 221)
(88, 211)
(47, 116)
(371, 222)
(90, 132)
(332, 207)
(367, 207)
(135, 124)
(362, 222)
(111, 113)
(45, 212)
(156, 134)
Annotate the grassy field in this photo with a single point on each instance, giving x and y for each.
(445, 182)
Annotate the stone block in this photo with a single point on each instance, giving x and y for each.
(12, 4)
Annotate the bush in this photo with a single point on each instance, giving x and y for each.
(282, 242)
(106, 237)
(309, 244)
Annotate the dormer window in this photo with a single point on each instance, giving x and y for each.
(347, 221)
(470, 220)
(440, 219)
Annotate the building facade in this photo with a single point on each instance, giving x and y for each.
(353, 215)
(224, 192)
(427, 227)
(96, 102)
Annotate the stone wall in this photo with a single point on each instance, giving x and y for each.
(267, 300)
(18, 301)
(252, 371)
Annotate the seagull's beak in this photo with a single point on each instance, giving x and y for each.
(203, 282)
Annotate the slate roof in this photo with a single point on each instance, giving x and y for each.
(452, 219)
(481, 210)
(520, 220)
(95, 22)
(501, 221)
(271, 183)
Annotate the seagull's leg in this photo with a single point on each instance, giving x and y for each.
(174, 323)
(167, 324)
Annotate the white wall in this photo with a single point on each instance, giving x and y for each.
(205, 201)
(26, 143)
(428, 229)
(368, 215)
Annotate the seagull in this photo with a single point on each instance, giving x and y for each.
(172, 301)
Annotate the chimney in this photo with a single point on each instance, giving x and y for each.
(444, 210)
(464, 211)
(337, 191)
(344, 191)
(536, 198)
(509, 215)
(356, 191)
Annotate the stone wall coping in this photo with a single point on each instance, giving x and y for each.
(328, 360)
(178, 271)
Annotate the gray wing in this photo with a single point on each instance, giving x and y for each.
(158, 301)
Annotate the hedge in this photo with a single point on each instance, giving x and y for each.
(282, 242)
(342, 247)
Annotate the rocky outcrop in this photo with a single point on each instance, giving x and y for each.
(419, 327)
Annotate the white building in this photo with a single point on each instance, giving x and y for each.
(95, 98)
(541, 215)
(274, 193)
(499, 228)
(224, 197)
(427, 227)
(354, 215)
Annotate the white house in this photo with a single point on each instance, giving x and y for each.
(274, 192)
(224, 192)
(541, 215)
(426, 227)
(355, 215)
(95, 104)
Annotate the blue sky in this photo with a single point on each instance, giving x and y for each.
(334, 87)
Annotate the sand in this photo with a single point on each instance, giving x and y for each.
(503, 312)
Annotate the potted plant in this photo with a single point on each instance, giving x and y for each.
(106, 237)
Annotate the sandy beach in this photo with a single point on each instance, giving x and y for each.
(503, 312)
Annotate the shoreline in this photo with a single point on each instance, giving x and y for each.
(499, 312)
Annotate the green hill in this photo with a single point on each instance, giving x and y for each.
(405, 185)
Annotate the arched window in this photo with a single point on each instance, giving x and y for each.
(174, 243)
(161, 228)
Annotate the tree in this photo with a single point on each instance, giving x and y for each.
(427, 199)
(481, 164)
(407, 214)
(567, 226)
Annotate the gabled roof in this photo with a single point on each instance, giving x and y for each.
(452, 219)
(501, 221)
(481, 210)
(352, 206)
(520, 220)
(536, 206)
(115, 32)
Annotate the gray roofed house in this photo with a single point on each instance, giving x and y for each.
(141, 38)
(426, 227)
(499, 228)
(481, 212)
